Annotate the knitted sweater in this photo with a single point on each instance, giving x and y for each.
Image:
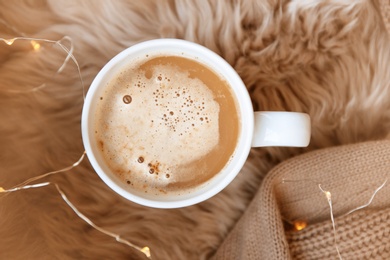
(327, 204)
(306, 190)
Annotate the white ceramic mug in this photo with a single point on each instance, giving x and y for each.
(257, 128)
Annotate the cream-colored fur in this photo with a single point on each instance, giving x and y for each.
(330, 59)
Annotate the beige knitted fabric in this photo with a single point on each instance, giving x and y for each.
(292, 191)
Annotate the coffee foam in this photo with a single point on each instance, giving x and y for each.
(150, 126)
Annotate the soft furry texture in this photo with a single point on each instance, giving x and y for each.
(330, 59)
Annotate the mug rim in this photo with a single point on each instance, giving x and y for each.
(209, 59)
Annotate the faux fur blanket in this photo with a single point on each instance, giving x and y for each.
(330, 59)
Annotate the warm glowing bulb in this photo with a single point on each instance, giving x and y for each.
(299, 225)
(36, 46)
(9, 41)
(146, 251)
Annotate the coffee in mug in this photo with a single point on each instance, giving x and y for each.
(166, 124)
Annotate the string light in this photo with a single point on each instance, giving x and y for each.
(299, 225)
(328, 196)
(36, 44)
(9, 42)
(68, 168)
(144, 250)
(2, 190)
(25, 185)
(370, 201)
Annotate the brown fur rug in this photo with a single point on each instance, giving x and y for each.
(329, 58)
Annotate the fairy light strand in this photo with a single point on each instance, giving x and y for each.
(144, 250)
(117, 237)
(68, 168)
(349, 212)
(36, 44)
(370, 201)
(328, 196)
(2, 190)
(300, 224)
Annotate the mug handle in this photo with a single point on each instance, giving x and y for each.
(281, 129)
